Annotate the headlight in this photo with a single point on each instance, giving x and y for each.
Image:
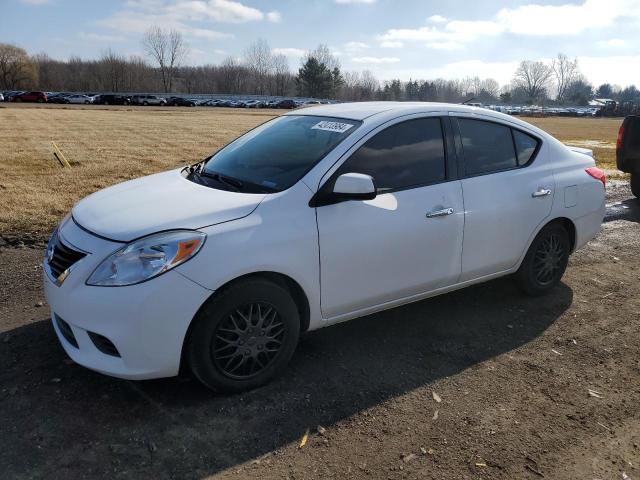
(147, 258)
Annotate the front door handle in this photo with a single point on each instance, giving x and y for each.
(541, 192)
(440, 213)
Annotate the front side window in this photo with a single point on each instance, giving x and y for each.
(488, 147)
(404, 155)
(275, 155)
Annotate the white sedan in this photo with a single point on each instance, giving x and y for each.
(316, 217)
(84, 99)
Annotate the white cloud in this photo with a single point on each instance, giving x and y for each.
(445, 45)
(375, 60)
(35, 2)
(139, 15)
(290, 52)
(599, 69)
(614, 42)
(531, 20)
(274, 16)
(437, 19)
(391, 44)
(355, 46)
(345, 2)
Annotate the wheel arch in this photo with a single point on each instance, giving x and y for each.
(293, 287)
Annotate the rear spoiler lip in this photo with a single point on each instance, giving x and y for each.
(584, 151)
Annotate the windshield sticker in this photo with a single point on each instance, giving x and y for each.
(332, 126)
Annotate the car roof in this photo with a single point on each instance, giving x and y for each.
(363, 110)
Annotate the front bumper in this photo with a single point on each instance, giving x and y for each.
(146, 323)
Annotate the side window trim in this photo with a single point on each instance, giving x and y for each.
(460, 149)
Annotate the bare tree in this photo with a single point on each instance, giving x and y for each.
(533, 78)
(259, 60)
(168, 49)
(566, 72)
(16, 68)
(114, 66)
(232, 76)
(282, 78)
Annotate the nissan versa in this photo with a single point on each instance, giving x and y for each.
(315, 217)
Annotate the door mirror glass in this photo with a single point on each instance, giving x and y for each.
(354, 186)
(628, 146)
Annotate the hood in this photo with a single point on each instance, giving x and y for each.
(164, 201)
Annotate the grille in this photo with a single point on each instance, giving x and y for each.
(66, 331)
(103, 344)
(63, 257)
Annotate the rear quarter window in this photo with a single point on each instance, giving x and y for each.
(526, 146)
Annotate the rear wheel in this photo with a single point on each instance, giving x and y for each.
(243, 337)
(545, 261)
(635, 184)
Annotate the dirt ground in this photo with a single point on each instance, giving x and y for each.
(480, 383)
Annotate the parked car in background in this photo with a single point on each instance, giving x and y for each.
(221, 265)
(78, 98)
(181, 102)
(287, 103)
(1, 97)
(112, 99)
(628, 151)
(32, 97)
(148, 100)
(59, 97)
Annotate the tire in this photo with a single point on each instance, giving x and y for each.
(226, 361)
(635, 184)
(40, 100)
(106, 102)
(146, 104)
(545, 262)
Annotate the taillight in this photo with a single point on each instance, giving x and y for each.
(620, 135)
(598, 174)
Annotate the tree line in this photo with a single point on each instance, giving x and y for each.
(260, 71)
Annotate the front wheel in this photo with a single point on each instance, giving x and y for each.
(545, 261)
(243, 337)
(635, 184)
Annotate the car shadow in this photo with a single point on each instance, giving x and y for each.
(60, 420)
(625, 210)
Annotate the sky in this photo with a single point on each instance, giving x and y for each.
(392, 38)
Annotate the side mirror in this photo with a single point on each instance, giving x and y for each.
(628, 145)
(354, 186)
(348, 186)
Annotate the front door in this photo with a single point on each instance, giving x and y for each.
(408, 239)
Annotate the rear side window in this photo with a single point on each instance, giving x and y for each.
(525, 146)
(404, 155)
(488, 147)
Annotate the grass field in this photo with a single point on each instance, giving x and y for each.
(110, 145)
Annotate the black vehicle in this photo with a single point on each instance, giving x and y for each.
(628, 151)
(110, 99)
(180, 102)
(288, 103)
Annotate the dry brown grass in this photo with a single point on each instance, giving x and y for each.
(597, 134)
(109, 145)
(105, 146)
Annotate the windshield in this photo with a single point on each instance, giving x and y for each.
(277, 154)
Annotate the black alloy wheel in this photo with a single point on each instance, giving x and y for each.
(244, 335)
(546, 260)
(248, 340)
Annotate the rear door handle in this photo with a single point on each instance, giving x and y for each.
(440, 213)
(541, 192)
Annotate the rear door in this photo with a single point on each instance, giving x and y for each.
(408, 239)
(508, 189)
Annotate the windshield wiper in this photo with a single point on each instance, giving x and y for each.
(230, 181)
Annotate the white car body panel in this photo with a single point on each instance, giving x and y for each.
(350, 259)
(164, 201)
